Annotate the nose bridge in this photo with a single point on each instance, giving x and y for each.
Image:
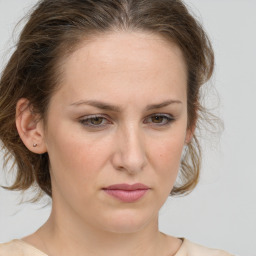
(131, 150)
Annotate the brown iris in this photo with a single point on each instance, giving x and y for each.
(96, 120)
(157, 119)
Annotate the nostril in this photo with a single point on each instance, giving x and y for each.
(129, 153)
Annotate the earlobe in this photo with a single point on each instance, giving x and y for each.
(189, 135)
(29, 127)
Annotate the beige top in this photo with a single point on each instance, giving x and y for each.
(21, 248)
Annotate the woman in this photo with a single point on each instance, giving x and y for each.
(100, 107)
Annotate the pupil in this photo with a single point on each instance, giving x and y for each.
(157, 119)
(97, 120)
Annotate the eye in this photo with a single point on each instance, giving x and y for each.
(94, 121)
(159, 119)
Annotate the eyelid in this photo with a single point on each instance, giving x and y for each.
(169, 119)
(87, 118)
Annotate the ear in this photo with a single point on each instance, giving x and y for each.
(30, 127)
(190, 134)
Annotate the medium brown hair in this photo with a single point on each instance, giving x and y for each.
(54, 29)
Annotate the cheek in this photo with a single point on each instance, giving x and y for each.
(75, 158)
(169, 152)
(167, 158)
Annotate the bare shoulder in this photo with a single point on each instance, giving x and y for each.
(192, 249)
(8, 249)
(19, 248)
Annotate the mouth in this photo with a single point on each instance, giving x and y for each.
(127, 193)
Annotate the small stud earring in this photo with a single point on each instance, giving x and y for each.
(34, 145)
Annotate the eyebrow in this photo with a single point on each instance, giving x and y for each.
(163, 104)
(110, 107)
(97, 104)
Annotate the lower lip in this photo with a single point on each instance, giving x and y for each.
(127, 196)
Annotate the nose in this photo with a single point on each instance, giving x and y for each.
(130, 154)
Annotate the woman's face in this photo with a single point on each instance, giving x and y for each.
(118, 119)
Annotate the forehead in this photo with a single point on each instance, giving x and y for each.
(111, 49)
(124, 59)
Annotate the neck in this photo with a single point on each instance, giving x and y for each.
(84, 239)
(66, 233)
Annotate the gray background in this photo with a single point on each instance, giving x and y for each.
(221, 212)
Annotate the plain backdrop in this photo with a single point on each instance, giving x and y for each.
(221, 212)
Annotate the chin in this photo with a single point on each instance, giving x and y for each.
(127, 222)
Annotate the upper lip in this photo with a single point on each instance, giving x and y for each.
(127, 187)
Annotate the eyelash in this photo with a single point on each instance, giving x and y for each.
(168, 119)
(86, 121)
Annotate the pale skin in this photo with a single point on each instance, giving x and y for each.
(120, 116)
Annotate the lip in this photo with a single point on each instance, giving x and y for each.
(126, 192)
